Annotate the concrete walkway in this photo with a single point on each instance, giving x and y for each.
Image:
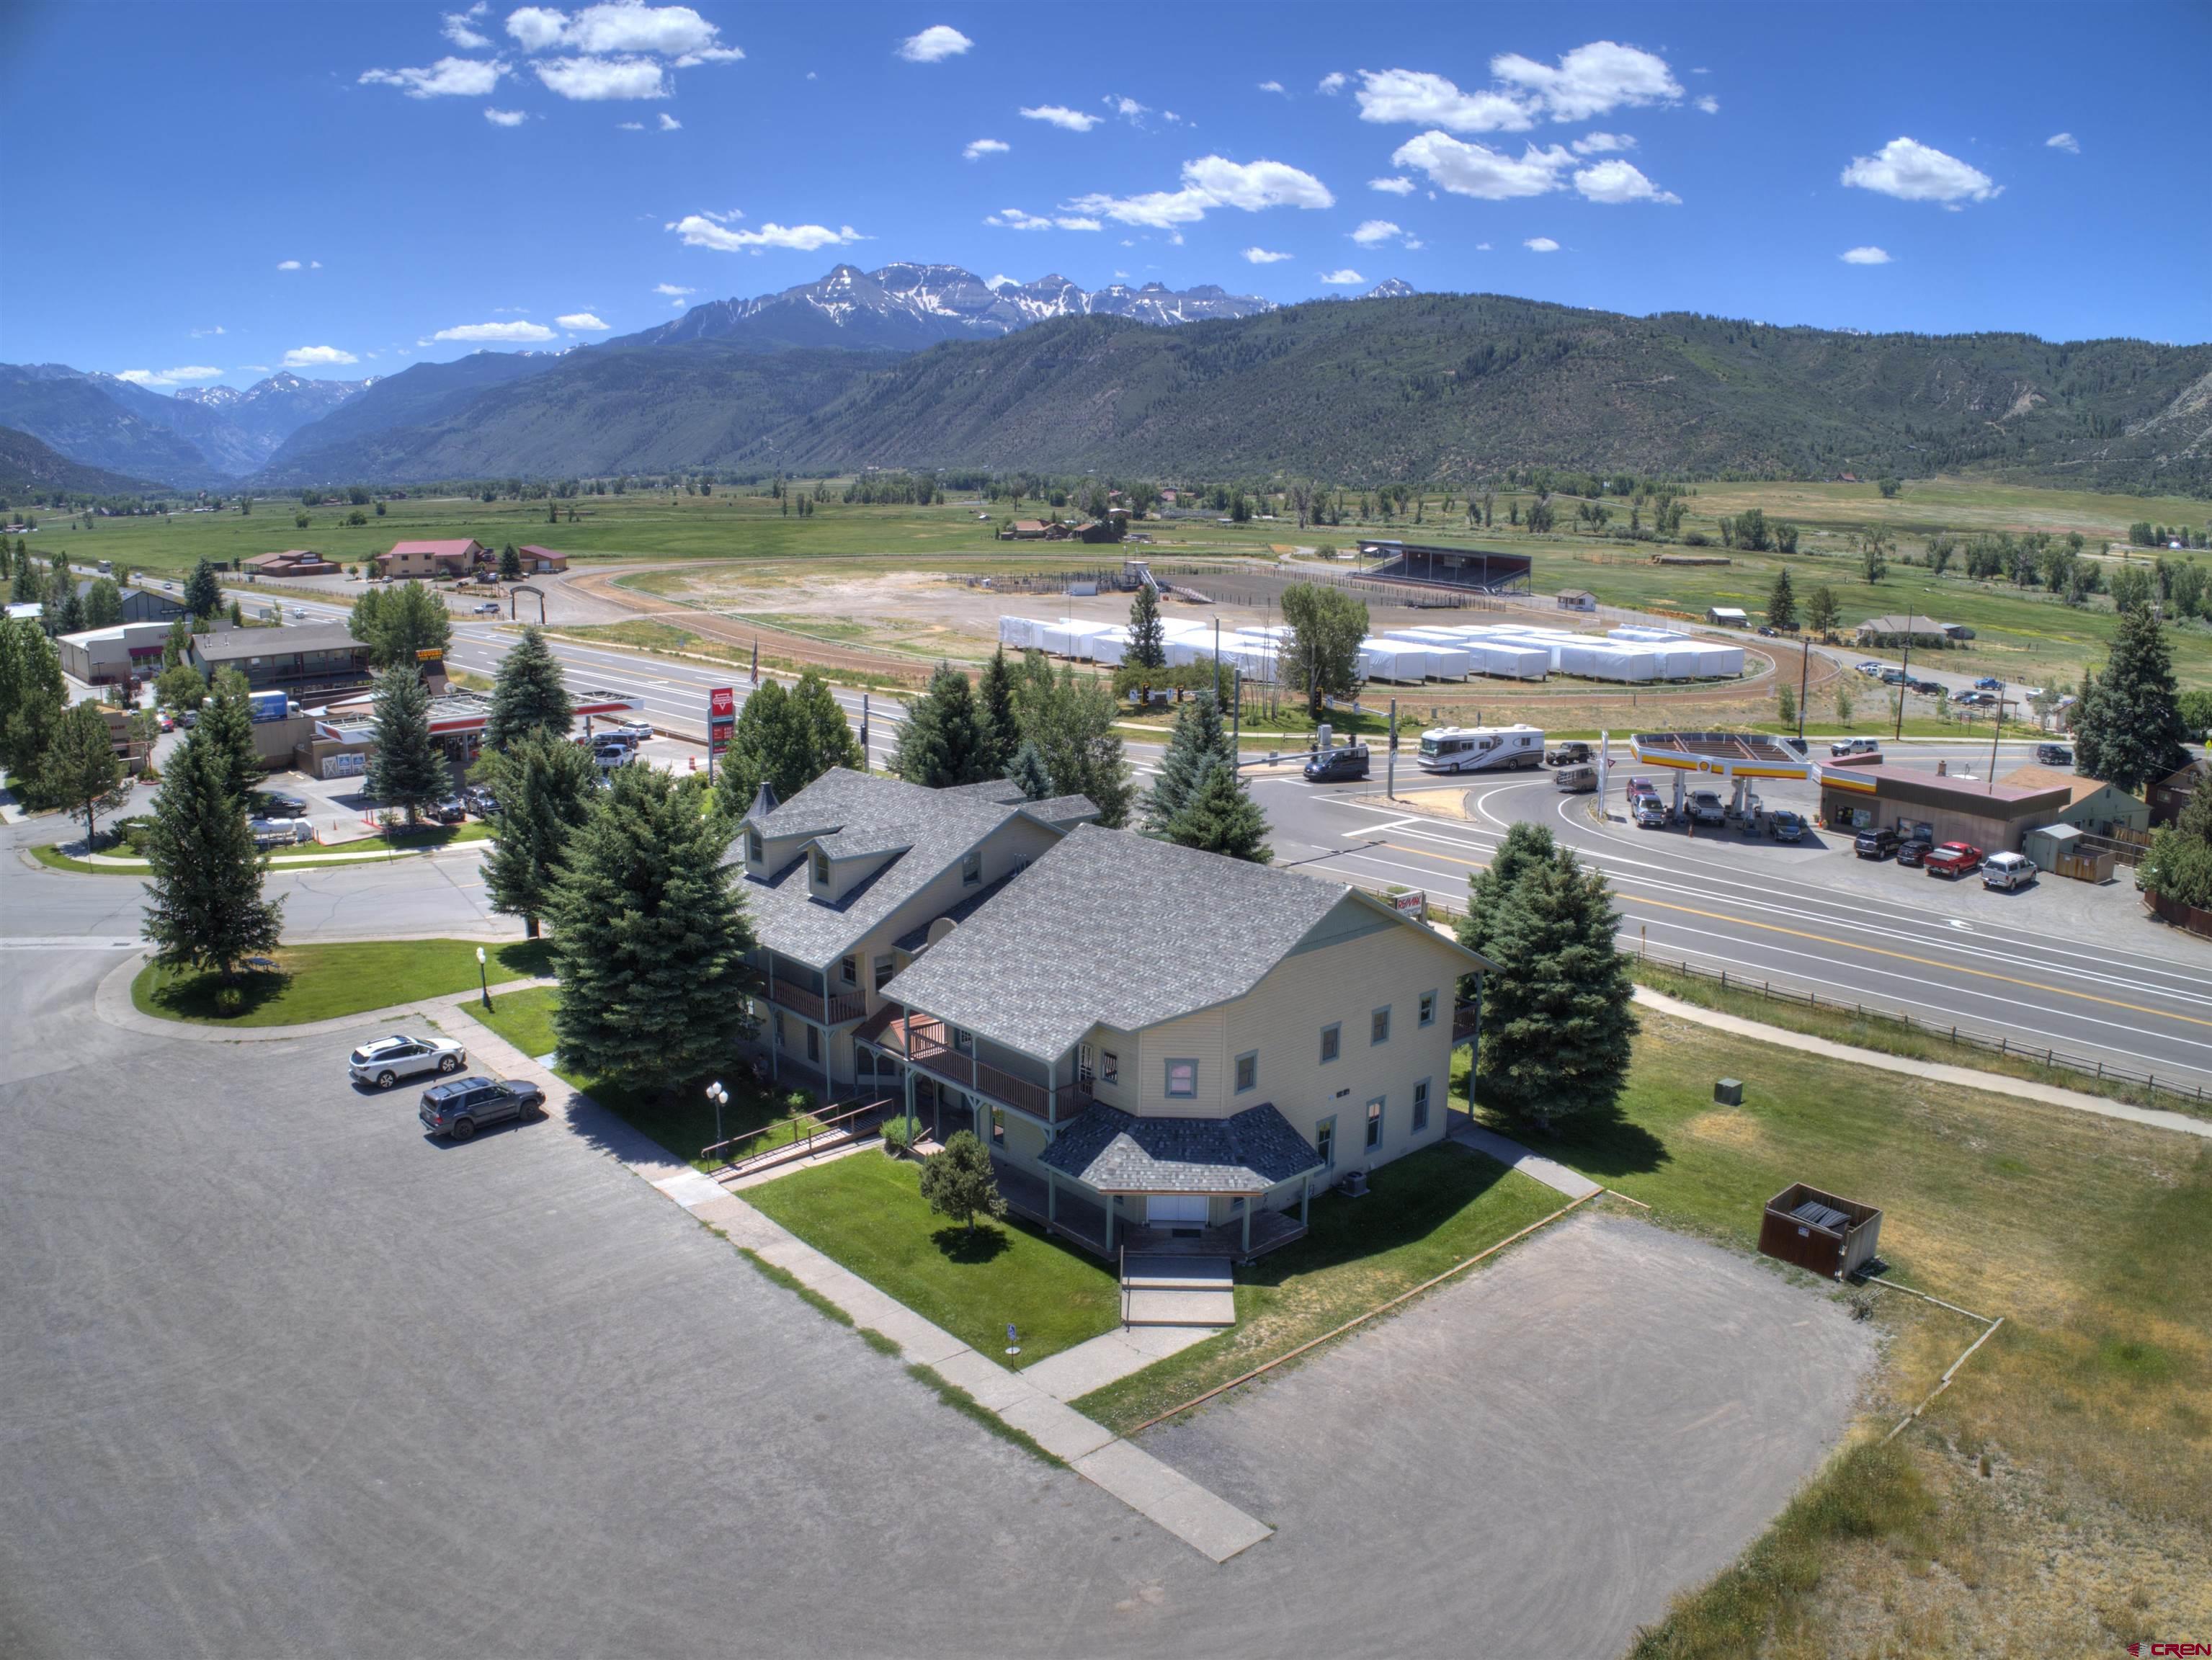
(1992, 1083)
(1514, 1156)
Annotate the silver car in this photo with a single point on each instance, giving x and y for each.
(384, 1061)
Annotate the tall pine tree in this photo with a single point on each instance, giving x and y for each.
(528, 694)
(203, 593)
(32, 699)
(81, 770)
(996, 695)
(226, 719)
(1028, 771)
(1782, 603)
(1147, 648)
(408, 770)
(944, 741)
(650, 939)
(785, 740)
(1199, 739)
(1220, 816)
(1525, 847)
(2127, 728)
(204, 909)
(546, 787)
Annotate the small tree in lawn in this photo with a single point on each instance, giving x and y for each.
(226, 720)
(1558, 1020)
(81, 770)
(407, 769)
(650, 938)
(1199, 739)
(1221, 817)
(528, 694)
(1322, 658)
(546, 787)
(959, 1183)
(1028, 771)
(204, 909)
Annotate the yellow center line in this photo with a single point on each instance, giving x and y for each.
(1874, 950)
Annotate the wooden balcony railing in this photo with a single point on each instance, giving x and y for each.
(926, 1046)
(1467, 1018)
(833, 1010)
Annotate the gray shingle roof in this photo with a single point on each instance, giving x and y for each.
(857, 812)
(1114, 1152)
(1115, 928)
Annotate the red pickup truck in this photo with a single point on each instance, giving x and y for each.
(1954, 859)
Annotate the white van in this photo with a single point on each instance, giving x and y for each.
(2007, 871)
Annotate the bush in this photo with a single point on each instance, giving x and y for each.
(230, 1000)
(898, 1135)
(1696, 539)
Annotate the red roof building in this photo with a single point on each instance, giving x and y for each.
(431, 559)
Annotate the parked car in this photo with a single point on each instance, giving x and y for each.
(300, 613)
(384, 1061)
(1766, 631)
(1651, 812)
(1954, 860)
(1989, 683)
(480, 801)
(1844, 746)
(448, 812)
(490, 608)
(613, 754)
(2053, 755)
(1869, 668)
(1575, 754)
(280, 832)
(631, 731)
(277, 804)
(189, 718)
(1929, 688)
(463, 1107)
(1982, 699)
(1786, 825)
(1964, 695)
(1707, 808)
(2007, 870)
(1878, 843)
(1913, 850)
(169, 721)
(1641, 786)
(1337, 765)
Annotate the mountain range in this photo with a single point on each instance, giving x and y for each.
(931, 366)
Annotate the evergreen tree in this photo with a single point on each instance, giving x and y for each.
(25, 588)
(407, 769)
(1028, 771)
(69, 618)
(785, 740)
(103, 605)
(957, 1181)
(1199, 739)
(32, 701)
(1147, 647)
(1782, 603)
(546, 787)
(1558, 1021)
(177, 647)
(1822, 613)
(826, 739)
(2127, 728)
(1220, 816)
(227, 723)
(204, 909)
(650, 939)
(203, 593)
(79, 769)
(996, 695)
(944, 741)
(528, 694)
(510, 563)
(1526, 846)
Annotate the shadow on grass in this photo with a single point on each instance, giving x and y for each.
(1607, 1146)
(530, 957)
(1406, 1201)
(217, 997)
(969, 1247)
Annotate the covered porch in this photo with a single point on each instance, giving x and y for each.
(1088, 1219)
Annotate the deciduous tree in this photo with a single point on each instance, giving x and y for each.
(957, 1181)
(32, 701)
(1321, 656)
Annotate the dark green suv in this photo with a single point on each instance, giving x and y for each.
(463, 1107)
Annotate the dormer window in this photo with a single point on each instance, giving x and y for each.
(971, 868)
(755, 850)
(821, 868)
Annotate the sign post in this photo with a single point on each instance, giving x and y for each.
(721, 722)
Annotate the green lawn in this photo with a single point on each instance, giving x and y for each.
(1424, 1214)
(867, 1211)
(320, 983)
(683, 1121)
(2093, 1239)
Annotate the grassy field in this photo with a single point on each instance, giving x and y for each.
(2058, 1499)
(867, 1211)
(320, 983)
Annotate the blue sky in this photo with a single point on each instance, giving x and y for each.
(209, 191)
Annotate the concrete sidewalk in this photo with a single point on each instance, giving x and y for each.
(1514, 1156)
(1992, 1083)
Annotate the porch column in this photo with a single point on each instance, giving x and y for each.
(1108, 1199)
(908, 1080)
(1051, 1197)
(1249, 1200)
(1305, 1198)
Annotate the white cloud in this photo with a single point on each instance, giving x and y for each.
(698, 231)
(622, 27)
(2064, 140)
(1001, 281)
(1602, 144)
(1375, 232)
(449, 77)
(1129, 109)
(505, 118)
(1866, 256)
(934, 45)
(1540, 245)
(457, 27)
(1060, 116)
(1331, 84)
(629, 126)
(983, 147)
(592, 80)
(315, 264)
(254, 368)
(583, 322)
(673, 289)
(288, 265)
(1913, 172)
(1477, 170)
(1482, 248)
(517, 332)
(1416, 96)
(669, 123)
(1617, 183)
(1398, 186)
(316, 358)
(141, 378)
(1710, 105)
(1345, 278)
(202, 334)
(169, 377)
(1591, 80)
(1016, 219)
(1078, 222)
(1272, 86)
(1264, 257)
(1213, 181)
(537, 28)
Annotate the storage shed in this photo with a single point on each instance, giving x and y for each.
(1820, 1232)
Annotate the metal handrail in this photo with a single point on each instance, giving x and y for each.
(818, 1126)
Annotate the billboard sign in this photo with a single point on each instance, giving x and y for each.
(721, 719)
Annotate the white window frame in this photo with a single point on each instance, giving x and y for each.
(1375, 1113)
(1325, 1141)
(971, 868)
(1331, 1043)
(1238, 1087)
(1420, 1106)
(1428, 1007)
(1167, 1078)
(1379, 1017)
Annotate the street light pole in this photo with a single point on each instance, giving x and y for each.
(718, 1095)
(1804, 678)
(483, 981)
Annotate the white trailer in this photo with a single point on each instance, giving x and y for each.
(1481, 748)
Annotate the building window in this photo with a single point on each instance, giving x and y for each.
(964, 1042)
(1375, 1123)
(1332, 1041)
(971, 868)
(1182, 1079)
(998, 1126)
(1428, 1008)
(1325, 1142)
(1378, 1025)
(1420, 1106)
(1247, 1072)
(821, 868)
(814, 1044)
(1110, 1067)
(755, 850)
(848, 970)
(883, 971)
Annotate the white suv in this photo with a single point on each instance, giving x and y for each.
(2007, 870)
(384, 1061)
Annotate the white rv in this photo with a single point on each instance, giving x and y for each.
(1481, 748)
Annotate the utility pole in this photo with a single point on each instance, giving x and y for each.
(868, 760)
(1995, 733)
(1390, 787)
(1906, 683)
(1804, 676)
